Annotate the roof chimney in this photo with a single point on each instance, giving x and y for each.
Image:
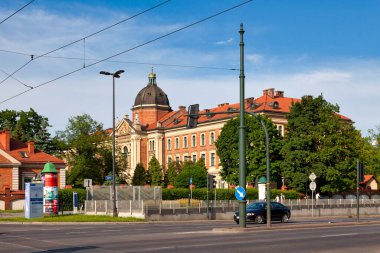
(279, 94)
(5, 140)
(31, 147)
(182, 108)
(269, 92)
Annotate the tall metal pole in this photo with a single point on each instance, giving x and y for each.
(113, 150)
(242, 138)
(357, 189)
(114, 75)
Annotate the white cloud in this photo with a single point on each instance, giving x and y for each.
(224, 42)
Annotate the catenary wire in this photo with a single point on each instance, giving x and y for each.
(33, 57)
(16, 12)
(130, 49)
(128, 62)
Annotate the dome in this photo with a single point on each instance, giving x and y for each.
(151, 94)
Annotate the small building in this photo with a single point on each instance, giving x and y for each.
(369, 182)
(21, 163)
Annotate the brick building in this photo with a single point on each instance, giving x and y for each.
(155, 129)
(21, 163)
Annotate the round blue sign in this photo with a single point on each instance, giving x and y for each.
(239, 193)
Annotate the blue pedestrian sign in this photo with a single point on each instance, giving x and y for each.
(108, 177)
(239, 193)
(191, 180)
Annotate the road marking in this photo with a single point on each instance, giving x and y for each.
(112, 230)
(337, 235)
(76, 232)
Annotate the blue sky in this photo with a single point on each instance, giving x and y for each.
(302, 47)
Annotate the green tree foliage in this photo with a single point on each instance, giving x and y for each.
(228, 150)
(155, 170)
(88, 153)
(174, 168)
(371, 153)
(318, 140)
(139, 177)
(29, 126)
(197, 172)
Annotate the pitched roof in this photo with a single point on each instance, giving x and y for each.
(367, 178)
(20, 152)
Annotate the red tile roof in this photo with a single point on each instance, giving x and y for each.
(367, 178)
(37, 156)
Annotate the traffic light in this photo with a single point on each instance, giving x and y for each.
(361, 172)
(192, 117)
(211, 182)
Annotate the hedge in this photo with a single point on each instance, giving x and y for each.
(65, 198)
(222, 194)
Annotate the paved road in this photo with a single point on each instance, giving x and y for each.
(213, 236)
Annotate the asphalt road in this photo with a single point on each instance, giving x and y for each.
(201, 236)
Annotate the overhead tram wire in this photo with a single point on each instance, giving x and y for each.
(16, 12)
(33, 57)
(129, 62)
(130, 49)
(17, 79)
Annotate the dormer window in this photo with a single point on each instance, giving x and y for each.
(24, 154)
(275, 105)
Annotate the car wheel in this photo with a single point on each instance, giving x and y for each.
(259, 219)
(285, 218)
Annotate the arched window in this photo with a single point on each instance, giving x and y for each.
(169, 144)
(212, 138)
(185, 142)
(202, 139)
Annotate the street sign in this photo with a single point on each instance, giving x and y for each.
(87, 182)
(108, 177)
(239, 193)
(312, 176)
(191, 180)
(312, 186)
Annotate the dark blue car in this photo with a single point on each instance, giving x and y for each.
(257, 212)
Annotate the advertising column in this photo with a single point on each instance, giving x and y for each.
(50, 179)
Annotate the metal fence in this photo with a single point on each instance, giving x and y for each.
(134, 193)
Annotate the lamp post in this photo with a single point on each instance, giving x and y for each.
(114, 75)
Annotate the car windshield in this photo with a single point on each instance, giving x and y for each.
(256, 206)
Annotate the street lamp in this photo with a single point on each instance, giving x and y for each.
(114, 75)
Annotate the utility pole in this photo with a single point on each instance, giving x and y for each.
(242, 138)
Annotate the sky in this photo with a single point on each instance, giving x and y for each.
(301, 47)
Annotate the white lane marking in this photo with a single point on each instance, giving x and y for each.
(111, 230)
(76, 232)
(337, 235)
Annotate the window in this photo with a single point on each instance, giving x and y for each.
(203, 156)
(202, 139)
(194, 158)
(169, 159)
(177, 143)
(185, 158)
(24, 154)
(169, 144)
(194, 141)
(125, 152)
(212, 138)
(177, 159)
(212, 161)
(185, 142)
(151, 145)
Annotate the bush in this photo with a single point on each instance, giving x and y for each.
(65, 198)
(222, 194)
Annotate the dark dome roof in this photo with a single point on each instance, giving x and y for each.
(152, 94)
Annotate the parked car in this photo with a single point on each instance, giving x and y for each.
(257, 212)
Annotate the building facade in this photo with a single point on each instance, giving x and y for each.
(155, 129)
(21, 163)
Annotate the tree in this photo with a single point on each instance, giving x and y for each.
(197, 172)
(370, 153)
(156, 172)
(173, 170)
(139, 177)
(29, 126)
(88, 154)
(228, 149)
(319, 140)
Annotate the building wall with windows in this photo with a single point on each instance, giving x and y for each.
(21, 163)
(157, 130)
